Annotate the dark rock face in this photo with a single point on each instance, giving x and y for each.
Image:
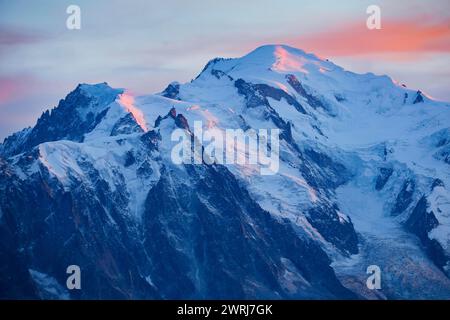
(420, 222)
(257, 94)
(285, 127)
(219, 74)
(312, 101)
(437, 183)
(210, 65)
(383, 177)
(15, 281)
(181, 122)
(130, 159)
(405, 97)
(441, 141)
(55, 228)
(126, 125)
(339, 98)
(214, 230)
(340, 233)
(404, 198)
(151, 140)
(13, 143)
(443, 154)
(444, 141)
(419, 97)
(439, 138)
(172, 91)
(322, 172)
(70, 120)
(200, 237)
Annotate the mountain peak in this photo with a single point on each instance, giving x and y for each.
(77, 114)
(267, 60)
(98, 90)
(274, 50)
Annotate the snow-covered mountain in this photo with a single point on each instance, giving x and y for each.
(363, 179)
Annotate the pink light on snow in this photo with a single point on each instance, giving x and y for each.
(126, 100)
(193, 107)
(281, 86)
(428, 96)
(287, 62)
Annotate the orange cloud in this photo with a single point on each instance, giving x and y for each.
(407, 36)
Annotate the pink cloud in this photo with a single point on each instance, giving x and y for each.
(13, 87)
(404, 36)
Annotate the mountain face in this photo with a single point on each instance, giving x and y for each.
(363, 180)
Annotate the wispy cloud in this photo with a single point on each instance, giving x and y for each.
(11, 39)
(12, 87)
(408, 37)
(10, 36)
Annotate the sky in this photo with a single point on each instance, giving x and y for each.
(143, 45)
